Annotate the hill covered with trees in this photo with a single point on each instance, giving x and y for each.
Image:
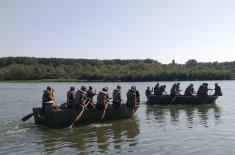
(30, 68)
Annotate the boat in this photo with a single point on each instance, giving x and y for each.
(65, 117)
(181, 99)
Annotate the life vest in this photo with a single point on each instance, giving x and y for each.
(102, 98)
(71, 96)
(116, 96)
(131, 97)
(80, 97)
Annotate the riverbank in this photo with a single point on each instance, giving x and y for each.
(76, 80)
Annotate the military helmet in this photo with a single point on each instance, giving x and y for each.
(105, 89)
(83, 88)
(49, 88)
(72, 88)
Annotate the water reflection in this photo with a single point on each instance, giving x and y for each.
(99, 138)
(193, 114)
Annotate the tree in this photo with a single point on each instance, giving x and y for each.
(191, 63)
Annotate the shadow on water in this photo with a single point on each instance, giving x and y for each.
(193, 113)
(100, 138)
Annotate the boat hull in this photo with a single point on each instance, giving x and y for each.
(182, 99)
(65, 117)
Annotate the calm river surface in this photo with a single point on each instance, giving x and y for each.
(175, 129)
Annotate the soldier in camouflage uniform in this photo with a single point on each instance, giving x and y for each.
(218, 91)
(117, 98)
(80, 98)
(71, 97)
(90, 94)
(102, 99)
(48, 99)
(189, 91)
(131, 97)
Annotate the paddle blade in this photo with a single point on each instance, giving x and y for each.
(25, 118)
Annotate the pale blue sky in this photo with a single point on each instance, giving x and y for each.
(126, 29)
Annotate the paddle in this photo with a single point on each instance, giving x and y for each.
(79, 115)
(25, 118)
(172, 101)
(104, 111)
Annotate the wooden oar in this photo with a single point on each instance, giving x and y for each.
(25, 118)
(79, 115)
(172, 101)
(104, 111)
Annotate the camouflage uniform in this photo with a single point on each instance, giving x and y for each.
(80, 97)
(48, 100)
(173, 90)
(218, 91)
(148, 92)
(102, 99)
(90, 94)
(131, 97)
(199, 91)
(71, 97)
(117, 98)
(189, 90)
(156, 89)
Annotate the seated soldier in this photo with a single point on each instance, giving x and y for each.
(80, 98)
(102, 99)
(131, 97)
(177, 89)
(71, 98)
(117, 98)
(156, 89)
(189, 90)
(90, 94)
(173, 91)
(162, 89)
(205, 89)
(48, 100)
(199, 91)
(218, 91)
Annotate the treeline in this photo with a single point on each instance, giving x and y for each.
(30, 68)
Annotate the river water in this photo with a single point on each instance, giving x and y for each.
(174, 129)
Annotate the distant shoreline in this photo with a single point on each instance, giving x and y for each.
(29, 69)
(74, 80)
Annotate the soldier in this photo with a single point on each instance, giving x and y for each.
(162, 89)
(80, 97)
(173, 91)
(131, 97)
(117, 98)
(177, 89)
(205, 89)
(218, 91)
(156, 89)
(199, 91)
(90, 94)
(189, 90)
(103, 99)
(148, 92)
(71, 97)
(48, 100)
(137, 96)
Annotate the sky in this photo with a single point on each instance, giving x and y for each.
(162, 30)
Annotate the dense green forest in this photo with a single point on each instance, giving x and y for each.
(30, 68)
